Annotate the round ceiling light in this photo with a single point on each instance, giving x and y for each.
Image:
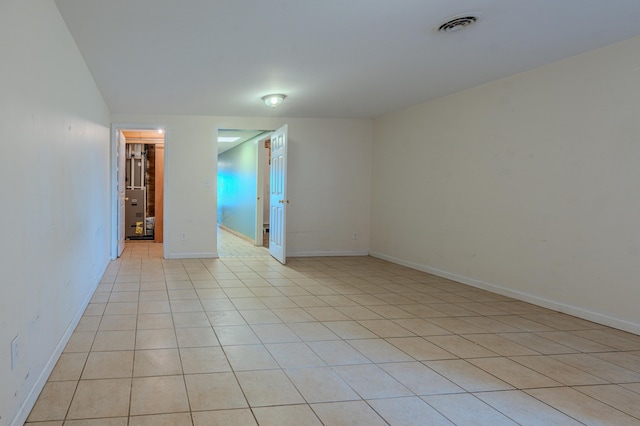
(457, 23)
(273, 100)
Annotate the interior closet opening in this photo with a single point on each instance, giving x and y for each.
(138, 159)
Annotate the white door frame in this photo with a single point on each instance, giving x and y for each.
(115, 196)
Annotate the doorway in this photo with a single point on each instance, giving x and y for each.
(241, 185)
(138, 186)
(252, 187)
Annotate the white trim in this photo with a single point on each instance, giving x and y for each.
(519, 295)
(205, 255)
(326, 253)
(32, 396)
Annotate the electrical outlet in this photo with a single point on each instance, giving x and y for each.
(355, 235)
(15, 352)
(183, 236)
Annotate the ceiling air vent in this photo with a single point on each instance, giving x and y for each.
(458, 23)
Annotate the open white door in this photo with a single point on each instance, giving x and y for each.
(120, 179)
(278, 195)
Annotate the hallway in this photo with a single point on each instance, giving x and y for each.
(333, 341)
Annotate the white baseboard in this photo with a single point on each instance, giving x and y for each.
(32, 397)
(326, 253)
(576, 311)
(204, 255)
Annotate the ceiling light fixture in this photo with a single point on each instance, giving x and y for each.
(161, 130)
(228, 138)
(273, 100)
(457, 23)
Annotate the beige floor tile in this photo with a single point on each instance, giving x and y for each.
(294, 355)
(611, 338)
(353, 413)
(616, 396)
(153, 295)
(526, 410)
(190, 319)
(460, 346)
(286, 415)
(124, 296)
(68, 367)
(226, 318)
(80, 341)
(53, 402)
(559, 371)
(241, 417)
(350, 330)
(599, 367)
(490, 325)
(575, 342)
(420, 349)
(420, 379)
(114, 341)
(538, 344)
(268, 387)
(186, 305)
(156, 339)
(475, 412)
(312, 331)
(215, 391)
(100, 398)
(326, 313)
(293, 315)
(95, 309)
(250, 357)
(204, 360)
(408, 411)
(338, 352)
(214, 305)
(379, 350)
(582, 407)
(108, 365)
(370, 381)
(158, 395)
(121, 308)
(89, 323)
(260, 316)
(113, 421)
(236, 335)
(467, 376)
(523, 324)
(386, 328)
(157, 362)
(274, 333)
(154, 321)
(513, 373)
(456, 325)
(499, 344)
(154, 307)
(177, 419)
(635, 387)
(118, 322)
(421, 327)
(196, 337)
(626, 360)
(320, 384)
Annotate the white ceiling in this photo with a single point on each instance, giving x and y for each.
(333, 58)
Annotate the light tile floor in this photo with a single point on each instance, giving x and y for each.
(333, 341)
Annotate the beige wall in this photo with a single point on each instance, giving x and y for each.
(54, 187)
(529, 186)
(329, 182)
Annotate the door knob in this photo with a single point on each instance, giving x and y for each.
(283, 201)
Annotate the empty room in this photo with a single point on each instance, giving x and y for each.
(434, 221)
